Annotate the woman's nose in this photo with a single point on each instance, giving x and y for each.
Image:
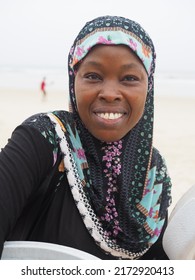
(110, 92)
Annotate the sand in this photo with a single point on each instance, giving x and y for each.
(174, 136)
(174, 131)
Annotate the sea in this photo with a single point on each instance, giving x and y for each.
(29, 77)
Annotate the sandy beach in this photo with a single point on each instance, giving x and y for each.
(174, 131)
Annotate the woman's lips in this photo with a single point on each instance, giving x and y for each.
(109, 116)
(108, 119)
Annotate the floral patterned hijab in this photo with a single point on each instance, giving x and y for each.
(121, 188)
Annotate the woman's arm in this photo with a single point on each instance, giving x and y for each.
(24, 163)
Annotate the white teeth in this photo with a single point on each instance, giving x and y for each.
(109, 116)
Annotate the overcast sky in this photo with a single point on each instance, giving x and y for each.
(40, 32)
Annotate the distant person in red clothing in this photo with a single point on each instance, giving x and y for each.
(43, 85)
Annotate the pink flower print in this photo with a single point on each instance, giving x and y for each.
(117, 169)
(108, 209)
(132, 45)
(113, 153)
(109, 191)
(157, 232)
(107, 217)
(80, 153)
(107, 157)
(146, 191)
(154, 191)
(107, 233)
(111, 171)
(115, 232)
(112, 201)
(119, 146)
(79, 51)
(102, 40)
(115, 214)
(148, 182)
(151, 211)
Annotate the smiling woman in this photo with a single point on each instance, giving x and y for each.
(90, 178)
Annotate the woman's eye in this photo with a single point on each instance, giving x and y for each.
(92, 76)
(130, 78)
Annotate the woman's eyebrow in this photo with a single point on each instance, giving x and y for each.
(130, 66)
(92, 63)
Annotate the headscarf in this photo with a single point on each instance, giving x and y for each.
(121, 188)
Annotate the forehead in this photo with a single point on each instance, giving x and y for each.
(119, 55)
(115, 36)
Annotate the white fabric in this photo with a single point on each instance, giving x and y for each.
(179, 236)
(27, 250)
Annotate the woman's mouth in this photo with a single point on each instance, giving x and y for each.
(110, 116)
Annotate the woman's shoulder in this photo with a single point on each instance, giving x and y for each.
(42, 122)
(159, 162)
(157, 157)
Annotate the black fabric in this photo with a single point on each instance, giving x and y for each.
(24, 163)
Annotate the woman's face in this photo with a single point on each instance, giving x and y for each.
(111, 88)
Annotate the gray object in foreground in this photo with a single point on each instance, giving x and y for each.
(179, 236)
(27, 250)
